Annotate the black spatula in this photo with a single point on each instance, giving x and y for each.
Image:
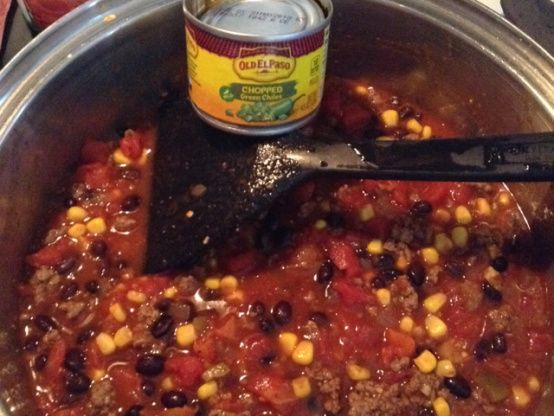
(206, 182)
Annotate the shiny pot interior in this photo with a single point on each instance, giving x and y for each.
(109, 63)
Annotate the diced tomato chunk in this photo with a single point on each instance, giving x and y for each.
(95, 151)
(355, 119)
(54, 365)
(127, 384)
(95, 175)
(186, 371)
(352, 197)
(350, 294)
(461, 193)
(344, 257)
(50, 255)
(397, 345)
(541, 343)
(272, 389)
(256, 347)
(205, 348)
(435, 193)
(131, 144)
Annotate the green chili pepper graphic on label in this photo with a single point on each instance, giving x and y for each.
(259, 111)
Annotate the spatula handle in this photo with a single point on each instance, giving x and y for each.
(510, 158)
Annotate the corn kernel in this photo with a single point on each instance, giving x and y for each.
(383, 296)
(361, 91)
(301, 387)
(436, 328)
(426, 362)
(186, 335)
(167, 384)
(504, 199)
(375, 247)
(435, 302)
(357, 373)
(76, 214)
(406, 324)
(483, 207)
(170, 292)
(463, 216)
(414, 126)
(460, 236)
(430, 255)
(288, 342)
(390, 118)
(366, 213)
(97, 374)
(144, 157)
(136, 296)
(521, 397)
(441, 407)
(303, 354)
(105, 343)
(445, 368)
(401, 263)
(120, 159)
(534, 384)
(207, 390)
(97, 226)
(77, 230)
(229, 284)
(320, 225)
(123, 337)
(427, 132)
(442, 216)
(213, 283)
(118, 312)
(442, 243)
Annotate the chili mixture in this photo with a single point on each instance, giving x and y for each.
(354, 298)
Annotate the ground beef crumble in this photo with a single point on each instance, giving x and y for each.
(329, 387)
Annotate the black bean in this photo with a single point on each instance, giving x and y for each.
(98, 248)
(210, 294)
(131, 203)
(103, 266)
(379, 283)
(426, 411)
(320, 319)
(335, 220)
(92, 286)
(499, 344)
(150, 365)
(85, 336)
(66, 265)
(256, 309)
(40, 362)
(416, 274)
(31, 344)
(74, 360)
(76, 383)
(389, 275)
(282, 312)
(173, 399)
(458, 386)
(69, 290)
(491, 292)
(134, 410)
(267, 359)
(406, 112)
(385, 261)
(266, 325)
(454, 269)
(325, 272)
(161, 326)
(164, 305)
(148, 387)
(482, 349)
(500, 264)
(44, 323)
(421, 208)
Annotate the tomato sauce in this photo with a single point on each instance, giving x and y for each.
(351, 297)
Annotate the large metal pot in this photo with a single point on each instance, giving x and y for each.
(106, 65)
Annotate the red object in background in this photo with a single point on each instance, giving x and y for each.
(4, 10)
(42, 13)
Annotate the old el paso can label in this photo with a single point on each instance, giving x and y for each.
(256, 85)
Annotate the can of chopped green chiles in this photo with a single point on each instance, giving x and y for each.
(257, 67)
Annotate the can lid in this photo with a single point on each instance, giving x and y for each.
(264, 17)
